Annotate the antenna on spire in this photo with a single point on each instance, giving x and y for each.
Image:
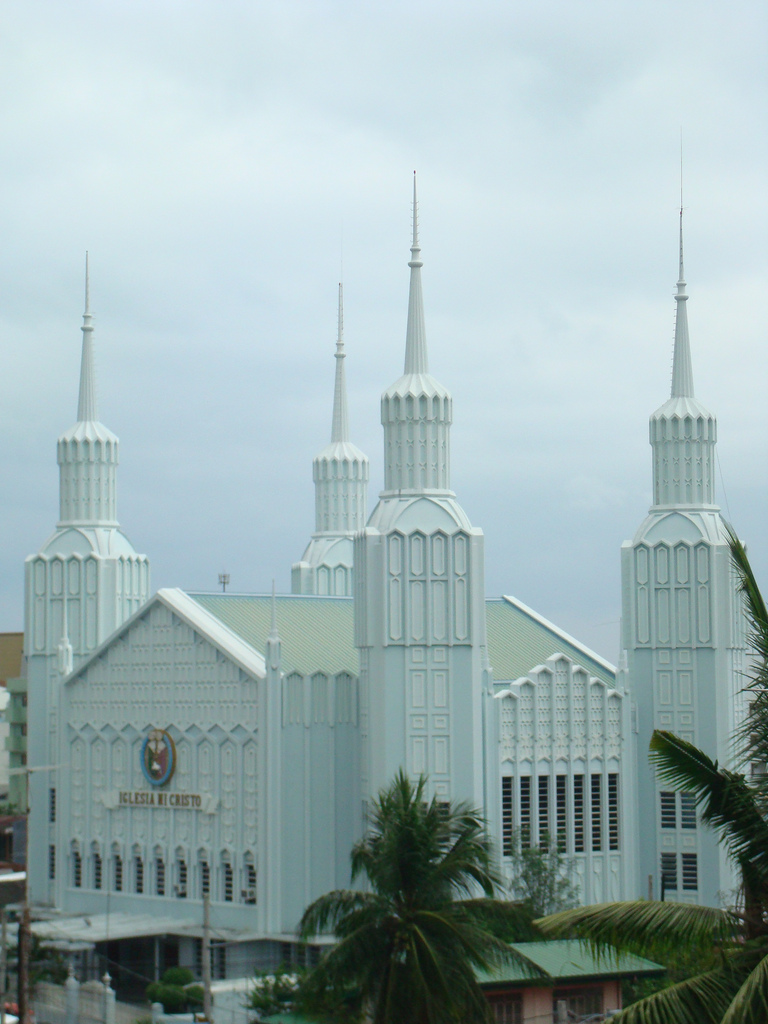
(415, 242)
(415, 335)
(681, 276)
(340, 422)
(86, 405)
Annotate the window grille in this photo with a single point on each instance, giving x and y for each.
(96, 870)
(613, 811)
(578, 813)
(52, 805)
(205, 878)
(250, 883)
(669, 871)
(52, 861)
(160, 876)
(597, 813)
(525, 811)
(139, 868)
(228, 884)
(543, 787)
(118, 873)
(181, 887)
(507, 1009)
(687, 810)
(77, 869)
(690, 871)
(560, 812)
(506, 815)
(581, 1002)
(668, 810)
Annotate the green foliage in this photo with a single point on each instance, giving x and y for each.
(722, 955)
(179, 976)
(540, 878)
(176, 991)
(410, 943)
(273, 992)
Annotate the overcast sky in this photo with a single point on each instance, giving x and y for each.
(221, 160)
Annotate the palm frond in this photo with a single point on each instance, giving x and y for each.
(726, 800)
(699, 1000)
(646, 927)
(324, 914)
(750, 1004)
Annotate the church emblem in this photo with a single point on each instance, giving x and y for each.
(158, 757)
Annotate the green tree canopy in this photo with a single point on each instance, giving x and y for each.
(408, 948)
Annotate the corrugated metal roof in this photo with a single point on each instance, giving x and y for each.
(519, 640)
(317, 633)
(565, 959)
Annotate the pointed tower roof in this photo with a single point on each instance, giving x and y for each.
(86, 406)
(416, 360)
(340, 425)
(682, 371)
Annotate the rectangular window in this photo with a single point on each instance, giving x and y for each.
(690, 871)
(506, 815)
(97, 871)
(52, 861)
(228, 886)
(543, 787)
(560, 812)
(507, 1009)
(160, 876)
(687, 810)
(118, 873)
(578, 813)
(580, 1002)
(613, 811)
(205, 879)
(181, 888)
(250, 883)
(668, 810)
(52, 805)
(525, 811)
(77, 869)
(597, 813)
(218, 959)
(139, 867)
(669, 871)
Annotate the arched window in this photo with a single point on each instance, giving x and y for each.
(97, 872)
(227, 878)
(249, 879)
(159, 872)
(117, 869)
(180, 885)
(204, 873)
(138, 870)
(77, 867)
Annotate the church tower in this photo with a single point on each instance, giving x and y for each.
(83, 583)
(682, 631)
(340, 472)
(419, 592)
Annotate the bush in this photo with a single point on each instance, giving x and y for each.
(178, 976)
(173, 997)
(194, 995)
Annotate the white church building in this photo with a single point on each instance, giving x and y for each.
(230, 744)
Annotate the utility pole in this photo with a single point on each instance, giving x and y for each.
(3, 962)
(24, 928)
(207, 957)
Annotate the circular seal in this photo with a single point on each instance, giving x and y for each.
(158, 757)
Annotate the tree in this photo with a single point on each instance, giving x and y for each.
(733, 988)
(540, 878)
(273, 992)
(408, 949)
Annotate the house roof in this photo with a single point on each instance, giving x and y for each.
(567, 960)
(317, 634)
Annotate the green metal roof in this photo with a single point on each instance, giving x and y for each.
(317, 633)
(567, 960)
(519, 640)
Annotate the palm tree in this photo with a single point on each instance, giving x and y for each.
(408, 947)
(734, 987)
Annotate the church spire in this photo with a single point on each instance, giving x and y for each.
(340, 426)
(86, 406)
(682, 372)
(416, 335)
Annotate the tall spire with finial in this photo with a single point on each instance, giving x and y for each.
(86, 406)
(340, 426)
(416, 335)
(682, 372)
